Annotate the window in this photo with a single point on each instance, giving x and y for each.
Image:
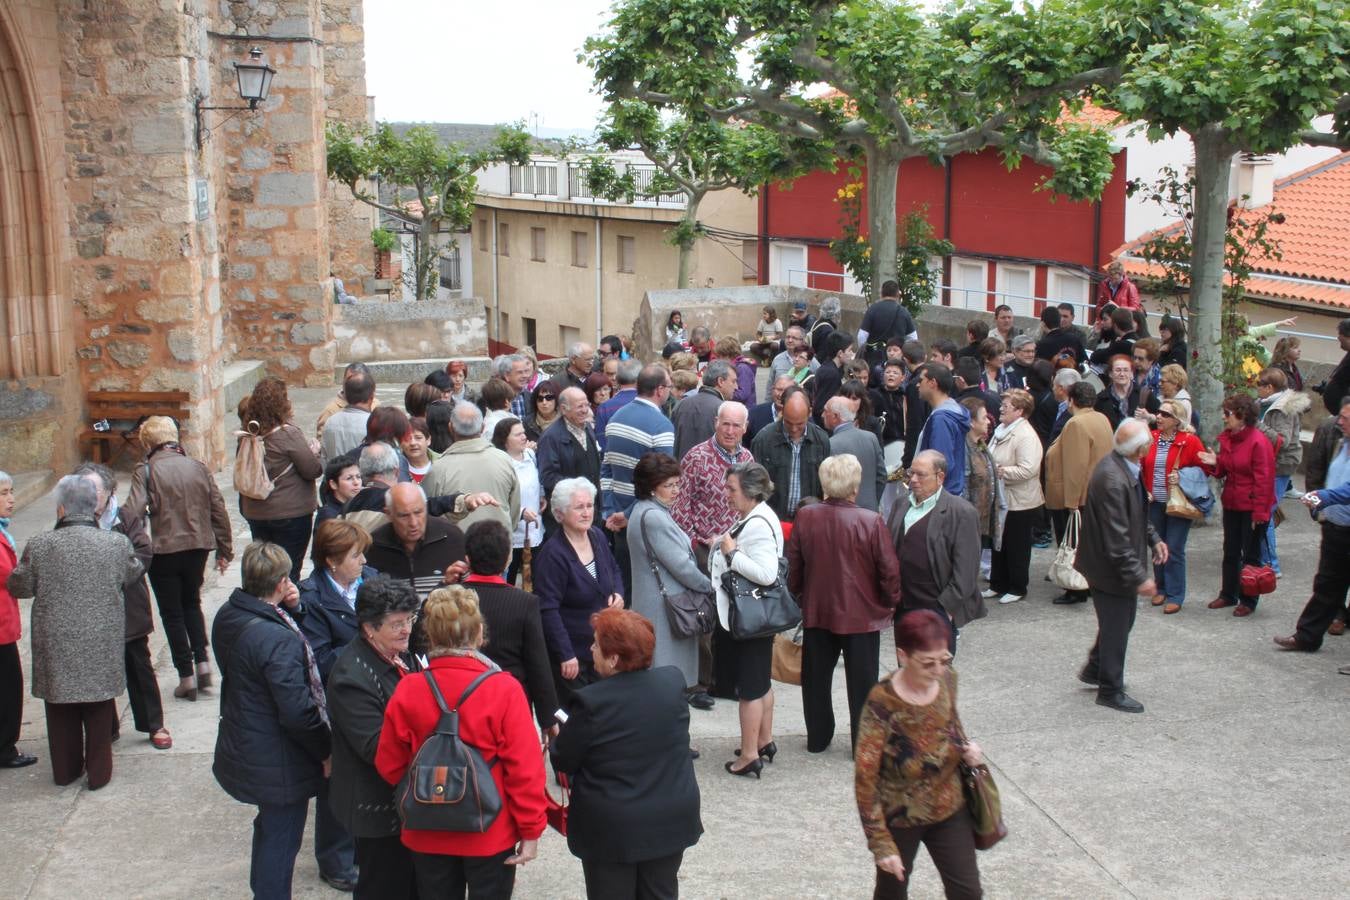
(627, 254)
(503, 239)
(969, 284)
(449, 269)
(1015, 287)
(567, 336)
(538, 244)
(527, 327)
(483, 235)
(579, 249)
(750, 261)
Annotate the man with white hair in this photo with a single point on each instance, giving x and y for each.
(580, 360)
(514, 369)
(379, 465)
(472, 464)
(1114, 556)
(845, 437)
(425, 551)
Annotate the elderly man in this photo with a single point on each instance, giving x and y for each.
(76, 575)
(472, 464)
(379, 472)
(1061, 386)
(425, 551)
(793, 338)
(580, 360)
(1114, 556)
(937, 540)
(1331, 509)
(625, 378)
(768, 412)
(1070, 462)
(845, 437)
(514, 370)
(568, 448)
(694, 416)
(792, 450)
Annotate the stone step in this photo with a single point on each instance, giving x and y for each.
(30, 486)
(238, 380)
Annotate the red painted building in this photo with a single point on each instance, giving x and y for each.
(1013, 243)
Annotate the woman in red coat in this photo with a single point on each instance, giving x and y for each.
(1246, 463)
(11, 669)
(496, 721)
(1176, 447)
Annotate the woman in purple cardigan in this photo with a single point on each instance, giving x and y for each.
(575, 575)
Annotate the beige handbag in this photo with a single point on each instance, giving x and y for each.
(1179, 505)
(787, 658)
(1062, 571)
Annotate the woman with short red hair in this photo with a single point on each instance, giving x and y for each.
(635, 803)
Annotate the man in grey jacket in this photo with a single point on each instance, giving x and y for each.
(1114, 557)
(847, 437)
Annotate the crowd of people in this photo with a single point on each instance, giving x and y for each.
(564, 531)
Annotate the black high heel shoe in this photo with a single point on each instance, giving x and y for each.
(766, 753)
(755, 768)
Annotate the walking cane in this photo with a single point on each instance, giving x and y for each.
(526, 580)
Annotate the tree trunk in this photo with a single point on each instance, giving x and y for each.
(1213, 158)
(425, 263)
(687, 239)
(883, 174)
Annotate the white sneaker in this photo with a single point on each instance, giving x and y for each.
(988, 594)
(1009, 598)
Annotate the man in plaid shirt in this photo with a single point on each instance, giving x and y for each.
(702, 508)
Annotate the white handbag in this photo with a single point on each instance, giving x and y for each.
(1062, 571)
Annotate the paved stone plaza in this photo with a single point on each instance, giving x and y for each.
(1230, 785)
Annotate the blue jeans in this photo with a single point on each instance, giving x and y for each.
(278, 830)
(1269, 556)
(1171, 575)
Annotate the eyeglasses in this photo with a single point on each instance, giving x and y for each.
(1166, 415)
(400, 624)
(549, 397)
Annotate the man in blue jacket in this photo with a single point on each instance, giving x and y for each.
(947, 425)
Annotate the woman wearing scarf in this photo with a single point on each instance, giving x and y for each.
(11, 629)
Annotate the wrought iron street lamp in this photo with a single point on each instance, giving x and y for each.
(255, 81)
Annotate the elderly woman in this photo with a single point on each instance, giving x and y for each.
(286, 517)
(751, 549)
(11, 629)
(843, 571)
(495, 719)
(76, 575)
(1281, 421)
(1172, 382)
(906, 775)
(983, 489)
(663, 560)
(1017, 453)
(511, 438)
(362, 680)
(575, 575)
(273, 743)
(187, 521)
(1246, 463)
(1174, 448)
(635, 802)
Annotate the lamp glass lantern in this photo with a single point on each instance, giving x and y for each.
(255, 78)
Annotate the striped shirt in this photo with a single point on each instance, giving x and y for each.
(1158, 489)
(635, 430)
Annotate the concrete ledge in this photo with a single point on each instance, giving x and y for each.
(406, 371)
(30, 486)
(238, 380)
(395, 331)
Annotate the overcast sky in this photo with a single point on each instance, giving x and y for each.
(487, 62)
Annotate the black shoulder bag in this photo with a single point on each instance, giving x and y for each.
(690, 613)
(449, 786)
(760, 610)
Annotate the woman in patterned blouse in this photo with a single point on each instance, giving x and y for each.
(907, 782)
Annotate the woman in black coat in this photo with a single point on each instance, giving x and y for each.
(359, 687)
(635, 802)
(272, 749)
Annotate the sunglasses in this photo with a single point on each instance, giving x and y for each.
(1166, 415)
(549, 397)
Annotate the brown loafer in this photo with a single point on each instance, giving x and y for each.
(1171, 608)
(1291, 643)
(1221, 603)
(1337, 627)
(1243, 612)
(1159, 599)
(161, 740)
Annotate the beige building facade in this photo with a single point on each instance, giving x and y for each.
(553, 266)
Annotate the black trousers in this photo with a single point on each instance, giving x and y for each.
(1059, 521)
(147, 710)
(820, 653)
(79, 739)
(1242, 545)
(1329, 587)
(177, 582)
(1010, 566)
(11, 699)
(386, 869)
(451, 877)
(1115, 618)
(618, 544)
(291, 535)
(951, 844)
(651, 879)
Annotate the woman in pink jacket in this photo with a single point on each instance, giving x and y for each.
(1246, 463)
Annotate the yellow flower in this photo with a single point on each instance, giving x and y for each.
(840, 193)
(913, 262)
(867, 253)
(861, 239)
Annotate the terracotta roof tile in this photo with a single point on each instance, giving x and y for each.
(1314, 238)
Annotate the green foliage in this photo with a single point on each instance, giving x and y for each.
(384, 240)
(440, 177)
(1246, 239)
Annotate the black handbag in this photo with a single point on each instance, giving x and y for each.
(760, 610)
(691, 613)
(448, 785)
